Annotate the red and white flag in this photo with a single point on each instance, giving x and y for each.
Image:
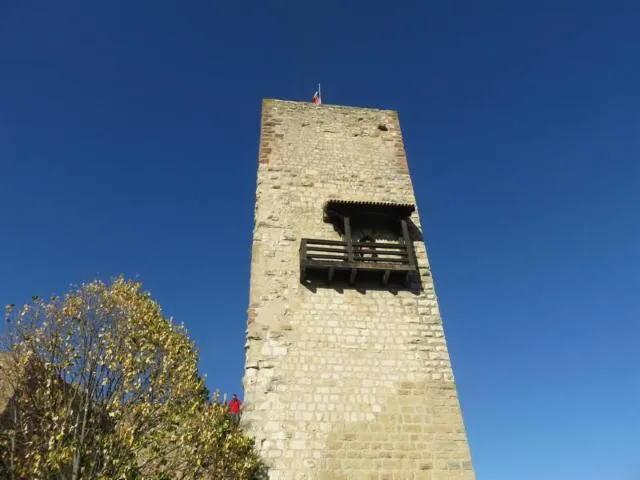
(317, 99)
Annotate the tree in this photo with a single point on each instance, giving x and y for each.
(104, 386)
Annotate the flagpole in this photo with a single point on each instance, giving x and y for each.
(319, 93)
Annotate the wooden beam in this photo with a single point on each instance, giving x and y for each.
(303, 260)
(312, 257)
(381, 246)
(322, 256)
(369, 266)
(347, 239)
(318, 241)
(385, 277)
(352, 276)
(411, 257)
(343, 249)
(330, 274)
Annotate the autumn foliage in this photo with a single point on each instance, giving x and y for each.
(105, 387)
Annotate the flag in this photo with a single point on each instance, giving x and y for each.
(316, 98)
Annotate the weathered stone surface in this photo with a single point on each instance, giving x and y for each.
(342, 383)
(6, 388)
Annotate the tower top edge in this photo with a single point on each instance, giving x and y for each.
(302, 104)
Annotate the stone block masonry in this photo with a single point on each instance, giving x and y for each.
(342, 383)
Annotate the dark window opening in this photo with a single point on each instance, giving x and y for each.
(367, 250)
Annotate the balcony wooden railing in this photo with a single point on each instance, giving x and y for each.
(328, 258)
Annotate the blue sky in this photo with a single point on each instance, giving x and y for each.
(128, 144)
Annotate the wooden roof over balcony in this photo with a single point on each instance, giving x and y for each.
(335, 209)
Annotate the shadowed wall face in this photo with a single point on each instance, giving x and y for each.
(342, 382)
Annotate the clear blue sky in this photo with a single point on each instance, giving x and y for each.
(128, 144)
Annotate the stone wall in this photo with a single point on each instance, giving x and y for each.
(342, 383)
(7, 390)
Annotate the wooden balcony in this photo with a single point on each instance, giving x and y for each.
(354, 261)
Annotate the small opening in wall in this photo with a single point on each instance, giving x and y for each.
(382, 127)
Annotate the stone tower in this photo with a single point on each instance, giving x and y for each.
(347, 371)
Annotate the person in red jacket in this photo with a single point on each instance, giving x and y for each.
(235, 406)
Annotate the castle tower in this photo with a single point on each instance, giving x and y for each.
(347, 371)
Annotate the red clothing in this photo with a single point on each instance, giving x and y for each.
(234, 406)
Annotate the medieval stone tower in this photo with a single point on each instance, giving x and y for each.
(347, 371)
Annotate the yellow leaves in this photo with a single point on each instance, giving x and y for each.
(117, 381)
(71, 306)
